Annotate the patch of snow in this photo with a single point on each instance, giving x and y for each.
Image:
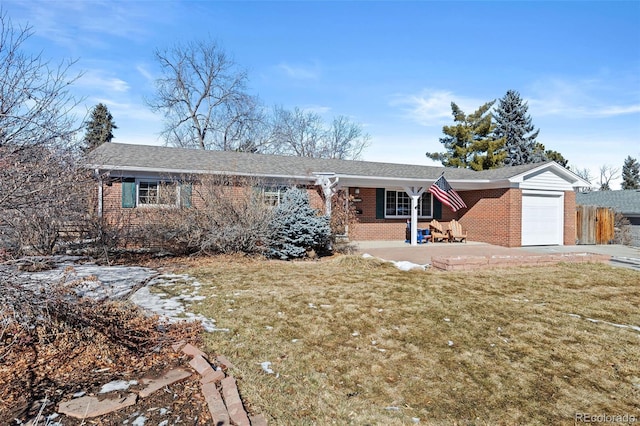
(173, 309)
(117, 385)
(450, 342)
(139, 421)
(403, 265)
(96, 282)
(79, 394)
(447, 320)
(392, 408)
(612, 324)
(266, 366)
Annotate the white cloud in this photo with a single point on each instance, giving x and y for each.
(318, 109)
(129, 111)
(585, 98)
(433, 107)
(145, 73)
(300, 72)
(96, 80)
(63, 21)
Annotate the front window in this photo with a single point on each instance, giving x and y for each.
(272, 195)
(398, 204)
(156, 193)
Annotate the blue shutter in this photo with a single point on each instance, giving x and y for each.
(128, 193)
(379, 203)
(186, 190)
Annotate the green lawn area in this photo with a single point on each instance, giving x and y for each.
(357, 341)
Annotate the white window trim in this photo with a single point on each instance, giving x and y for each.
(274, 192)
(159, 183)
(386, 216)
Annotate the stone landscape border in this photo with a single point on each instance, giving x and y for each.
(219, 390)
(466, 263)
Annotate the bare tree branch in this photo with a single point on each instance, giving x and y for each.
(40, 187)
(607, 174)
(202, 95)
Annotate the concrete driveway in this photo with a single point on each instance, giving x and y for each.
(624, 256)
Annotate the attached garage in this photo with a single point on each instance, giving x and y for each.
(542, 218)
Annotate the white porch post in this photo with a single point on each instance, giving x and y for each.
(328, 189)
(414, 193)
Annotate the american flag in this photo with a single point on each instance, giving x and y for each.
(445, 193)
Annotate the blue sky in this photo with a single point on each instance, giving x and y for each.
(395, 67)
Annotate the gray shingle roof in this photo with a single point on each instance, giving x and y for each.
(119, 156)
(625, 201)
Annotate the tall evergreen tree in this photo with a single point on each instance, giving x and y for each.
(554, 156)
(99, 128)
(630, 174)
(470, 142)
(514, 125)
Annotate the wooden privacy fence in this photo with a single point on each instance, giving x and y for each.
(594, 225)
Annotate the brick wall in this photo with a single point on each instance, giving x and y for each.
(114, 212)
(570, 226)
(493, 216)
(368, 227)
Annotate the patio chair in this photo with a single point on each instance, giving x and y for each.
(437, 233)
(455, 232)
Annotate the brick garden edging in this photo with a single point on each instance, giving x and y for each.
(466, 263)
(219, 390)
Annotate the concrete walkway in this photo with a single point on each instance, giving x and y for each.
(421, 254)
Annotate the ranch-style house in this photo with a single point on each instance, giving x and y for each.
(526, 205)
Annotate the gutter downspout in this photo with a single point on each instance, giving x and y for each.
(100, 193)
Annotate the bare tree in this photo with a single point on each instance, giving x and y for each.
(202, 94)
(297, 132)
(585, 174)
(607, 174)
(305, 134)
(35, 103)
(39, 187)
(345, 139)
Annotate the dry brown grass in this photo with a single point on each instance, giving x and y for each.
(355, 341)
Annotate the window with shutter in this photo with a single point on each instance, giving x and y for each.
(128, 193)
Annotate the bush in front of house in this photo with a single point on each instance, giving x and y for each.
(296, 228)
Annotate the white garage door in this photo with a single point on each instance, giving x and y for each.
(542, 219)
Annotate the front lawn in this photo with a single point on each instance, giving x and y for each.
(357, 341)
